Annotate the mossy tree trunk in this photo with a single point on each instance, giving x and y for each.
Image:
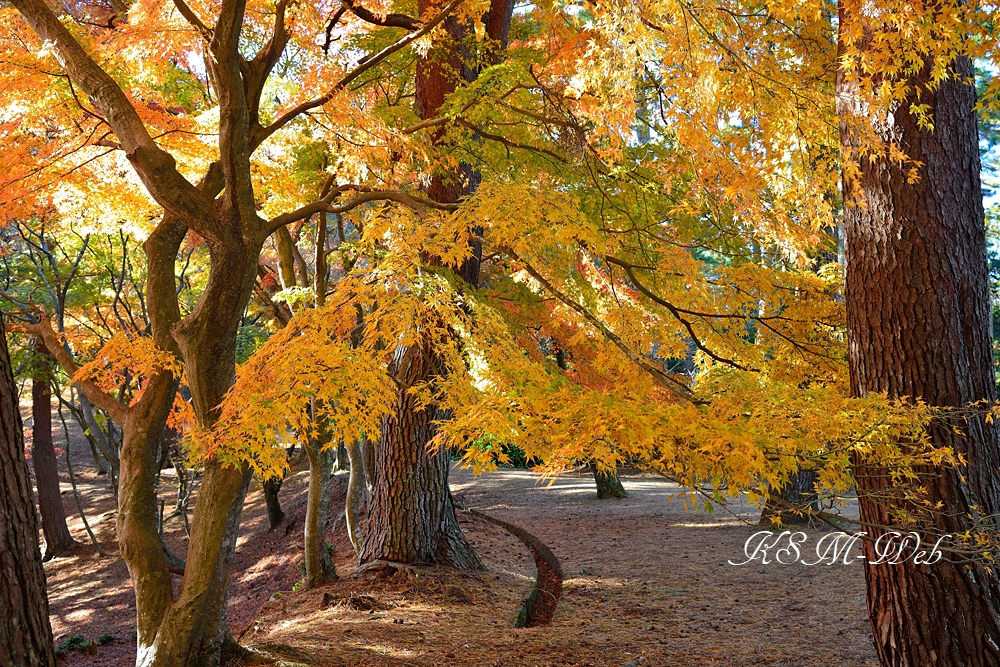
(608, 484)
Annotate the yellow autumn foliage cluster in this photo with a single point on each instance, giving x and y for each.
(660, 181)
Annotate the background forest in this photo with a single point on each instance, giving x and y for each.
(317, 258)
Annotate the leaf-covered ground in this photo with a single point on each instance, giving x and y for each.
(647, 583)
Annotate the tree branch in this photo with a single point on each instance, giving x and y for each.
(675, 386)
(324, 205)
(262, 133)
(676, 312)
(43, 329)
(156, 167)
(388, 21)
(193, 19)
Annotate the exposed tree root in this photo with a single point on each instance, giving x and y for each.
(539, 605)
(380, 565)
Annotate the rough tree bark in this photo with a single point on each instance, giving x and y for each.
(799, 493)
(411, 514)
(918, 314)
(25, 632)
(43, 458)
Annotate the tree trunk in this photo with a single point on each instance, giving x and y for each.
(43, 457)
(25, 632)
(411, 517)
(608, 484)
(191, 629)
(274, 514)
(356, 490)
(341, 460)
(799, 493)
(918, 314)
(368, 451)
(319, 566)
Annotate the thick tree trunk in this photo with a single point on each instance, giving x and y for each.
(319, 566)
(25, 632)
(43, 458)
(608, 484)
(411, 516)
(791, 502)
(918, 314)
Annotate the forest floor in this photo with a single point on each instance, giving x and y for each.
(646, 583)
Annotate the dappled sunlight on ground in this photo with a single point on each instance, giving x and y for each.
(645, 584)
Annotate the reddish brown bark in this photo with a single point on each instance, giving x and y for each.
(43, 458)
(918, 315)
(25, 633)
(411, 515)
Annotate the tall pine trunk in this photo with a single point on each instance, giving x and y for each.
(918, 314)
(43, 458)
(412, 516)
(25, 632)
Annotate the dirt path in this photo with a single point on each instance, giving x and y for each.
(647, 583)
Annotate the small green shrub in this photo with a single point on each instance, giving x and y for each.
(73, 643)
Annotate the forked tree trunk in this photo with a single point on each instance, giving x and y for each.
(918, 314)
(608, 484)
(190, 630)
(25, 632)
(319, 566)
(43, 458)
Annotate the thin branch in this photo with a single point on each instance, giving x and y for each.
(678, 388)
(677, 313)
(415, 202)
(363, 65)
(43, 328)
(193, 19)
